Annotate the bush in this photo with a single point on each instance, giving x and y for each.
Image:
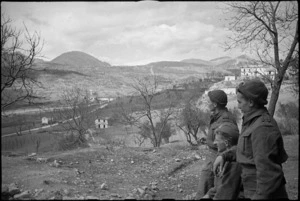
(288, 122)
(165, 133)
(70, 141)
(192, 121)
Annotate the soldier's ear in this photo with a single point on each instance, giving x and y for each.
(215, 104)
(226, 143)
(251, 103)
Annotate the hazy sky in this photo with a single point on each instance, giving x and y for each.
(126, 33)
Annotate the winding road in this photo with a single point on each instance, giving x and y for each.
(48, 126)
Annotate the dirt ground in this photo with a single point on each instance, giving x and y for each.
(169, 172)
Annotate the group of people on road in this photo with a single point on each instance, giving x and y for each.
(244, 164)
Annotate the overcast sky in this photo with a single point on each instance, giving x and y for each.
(126, 33)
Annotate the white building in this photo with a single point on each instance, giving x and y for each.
(229, 78)
(46, 120)
(100, 123)
(252, 71)
(106, 99)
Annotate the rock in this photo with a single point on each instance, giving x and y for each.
(56, 164)
(141, 192)
(132, 162)
(66, 192)
(104, 186)
(177, 160)
(114, 195)
(41, 160)
(25, 194)
(38, 191)
(13, 189)
(197, 157)
(92, 198)
(148, 197)
(32, 155)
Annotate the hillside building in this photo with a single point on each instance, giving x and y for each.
(229, 78)
(47, 120)
(253, 71)
(101, 123)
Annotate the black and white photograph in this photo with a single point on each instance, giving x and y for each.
(149, 100)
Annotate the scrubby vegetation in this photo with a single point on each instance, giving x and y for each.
(288, 121)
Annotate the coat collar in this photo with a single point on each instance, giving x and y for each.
(255, 113)
(216, 116)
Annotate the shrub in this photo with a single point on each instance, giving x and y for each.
(161, 133)
(288, 122)
(70, 141)
(192, 121)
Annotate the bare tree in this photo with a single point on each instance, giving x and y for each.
(192, 120)
(18, 51)
(144, 115)
(21, 124)
(270, 28)
(76, 113)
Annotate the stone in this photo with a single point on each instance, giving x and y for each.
(38, 191)
(141, 191)
(42, 160)
(25, 194)
(197, 157)
(32, 155)
(177, 160)
(90, 197)
(114, 195)
(66, 192)
(56, 164)
(104, 186)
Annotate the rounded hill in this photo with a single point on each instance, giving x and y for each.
(79, 60)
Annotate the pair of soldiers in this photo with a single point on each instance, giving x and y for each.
(246, 165)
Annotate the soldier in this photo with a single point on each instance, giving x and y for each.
(227, 184)
(260, 149)
(217, 101)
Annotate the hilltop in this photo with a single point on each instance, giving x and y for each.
(76, 68)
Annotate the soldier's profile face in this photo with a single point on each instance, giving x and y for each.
(210, 104)
(220, 142)
(243, 103)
